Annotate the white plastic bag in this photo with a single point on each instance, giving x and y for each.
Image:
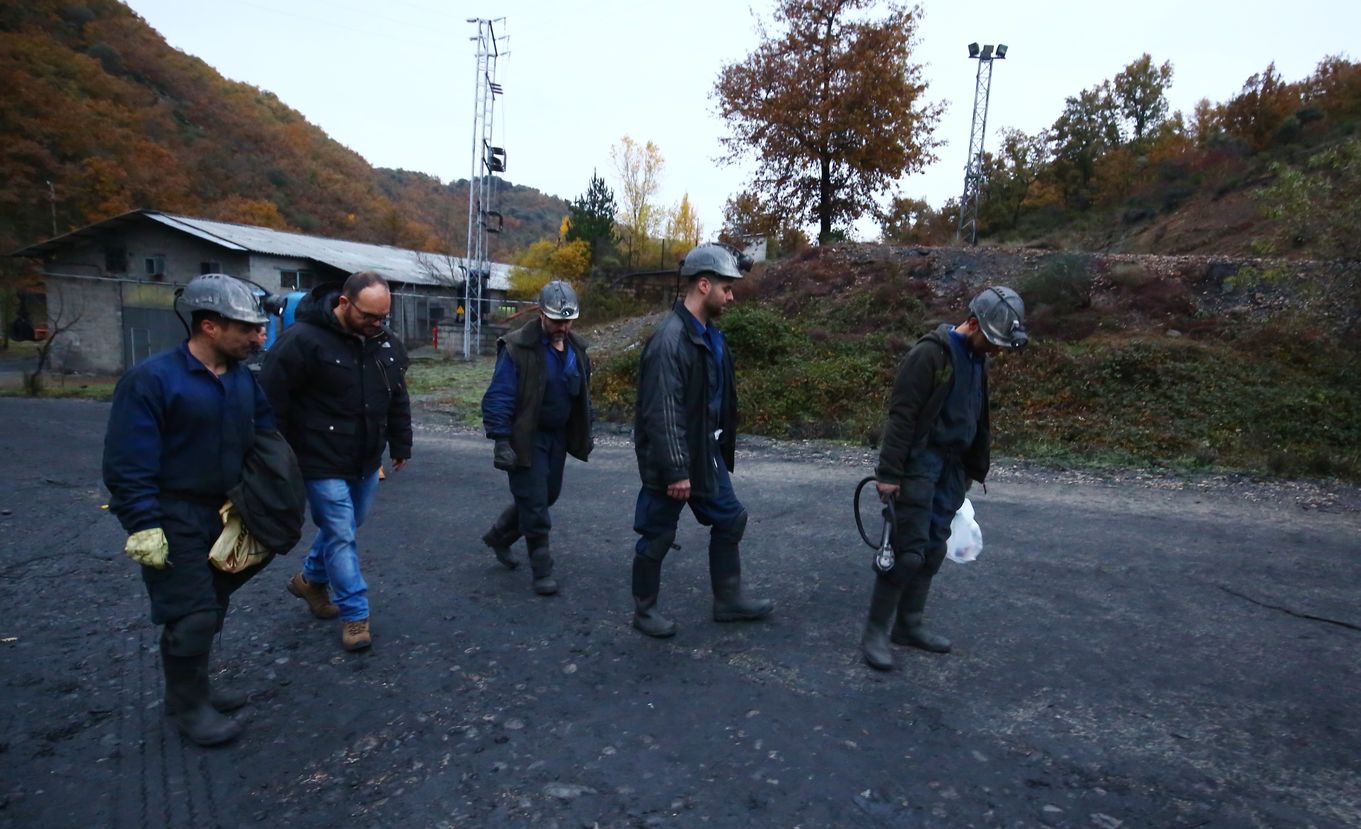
(966, 537)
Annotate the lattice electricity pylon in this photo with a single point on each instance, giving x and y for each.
(488, 160)
(973, 170)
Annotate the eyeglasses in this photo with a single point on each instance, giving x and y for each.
(370, 317)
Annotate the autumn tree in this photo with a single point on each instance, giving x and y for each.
(1013, 170)
(1141, 94)
(1087, 128)
(639, 167)
(591, 218)
(546, 260)
(1204, 122)
(242, 210)
(745, 215)
(1256, 112)
(831, 107)
(683, 224)
(903, 221)
(1335, 88)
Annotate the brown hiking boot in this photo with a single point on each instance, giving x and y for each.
(354, 636)
(317, 598)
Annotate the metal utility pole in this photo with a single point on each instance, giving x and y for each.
(488, 160)
(973, 170)
(52, 199)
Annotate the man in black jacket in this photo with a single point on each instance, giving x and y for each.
(684, 434)
(935, 442)
(538, 410)
(337, 382)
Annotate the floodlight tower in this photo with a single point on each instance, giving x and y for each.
(488, 160)
(973, 170)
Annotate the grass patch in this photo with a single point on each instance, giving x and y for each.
(452, 386)
(65, 386)
(1286, 406)
(1182, 404)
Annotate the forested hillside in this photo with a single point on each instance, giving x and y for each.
(1272, 169)
(99, 105)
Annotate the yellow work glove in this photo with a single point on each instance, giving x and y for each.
(148, 547)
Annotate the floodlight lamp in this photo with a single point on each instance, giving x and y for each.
(1001, 50)
(987, 52)
(973, 50)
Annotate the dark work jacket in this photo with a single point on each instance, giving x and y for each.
(271, 496)
(673, 432)
(514, 413)
(178, 429)
(924, 380)
(339, 399)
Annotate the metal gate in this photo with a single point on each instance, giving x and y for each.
(148, 331)
(149, 322)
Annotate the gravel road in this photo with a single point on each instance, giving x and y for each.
(1130, 650)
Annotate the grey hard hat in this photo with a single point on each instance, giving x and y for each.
(711, 258)
(1001, 317)
(558, 301)
(224, 295)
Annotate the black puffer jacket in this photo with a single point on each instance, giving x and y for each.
(338, 398)
(672, 433)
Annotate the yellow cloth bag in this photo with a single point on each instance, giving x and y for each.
(235, 549)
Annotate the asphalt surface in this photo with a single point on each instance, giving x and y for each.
(1126, 654)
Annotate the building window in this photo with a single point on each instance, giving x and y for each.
(155, 266)
(295, 280)
(209, 267)
(116, 260)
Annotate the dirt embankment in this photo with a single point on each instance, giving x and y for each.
(1135, 291)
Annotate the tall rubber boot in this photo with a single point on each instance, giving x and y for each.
(502, 534)
(187, 695)
(725, 574)
(222, 698)
(541, 562)
(908, 629)
(732, 605)
(647, 583)
(874, 643)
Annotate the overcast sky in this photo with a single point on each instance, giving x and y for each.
(394, 79)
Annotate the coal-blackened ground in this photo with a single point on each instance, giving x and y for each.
(1127, 653)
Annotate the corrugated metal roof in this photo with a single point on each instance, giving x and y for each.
(396, 264)
(185, 227)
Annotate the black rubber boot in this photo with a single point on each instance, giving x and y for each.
(647, 583)
(541, 562)
(502, 534)
(730, 605)
(725, 574)
(874, 643)
(222, 699)
(908, 629)
(187, 695)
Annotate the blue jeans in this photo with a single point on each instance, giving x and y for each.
(338, 509)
